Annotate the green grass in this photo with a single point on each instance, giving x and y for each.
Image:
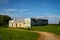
(25, 34)
(49, 28)
(10, 34)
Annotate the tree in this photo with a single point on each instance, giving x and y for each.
(4, 19)
(59, 22)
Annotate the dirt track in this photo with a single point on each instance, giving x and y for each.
(48, 36)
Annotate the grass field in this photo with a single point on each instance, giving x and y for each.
(48, 28)
(13, 34)
(10, 34)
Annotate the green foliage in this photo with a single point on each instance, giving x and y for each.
(59, 22)
(17, 34)
(49, 28)
(4, 19)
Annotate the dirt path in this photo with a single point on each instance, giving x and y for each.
(48, 36)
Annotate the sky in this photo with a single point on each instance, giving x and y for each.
(17, 9)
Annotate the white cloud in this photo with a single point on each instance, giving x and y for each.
(11, 9)
(18, 10)
(29, 13)
(53, 16)
(47, 14)
(52, 19)
(24, 10)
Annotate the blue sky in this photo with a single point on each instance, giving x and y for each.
(31, 8)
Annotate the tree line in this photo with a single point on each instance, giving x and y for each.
(4, 19)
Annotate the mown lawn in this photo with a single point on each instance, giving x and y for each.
(10, 34)
(48, 28)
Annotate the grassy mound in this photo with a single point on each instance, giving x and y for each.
(10, 34)
(49, 28)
